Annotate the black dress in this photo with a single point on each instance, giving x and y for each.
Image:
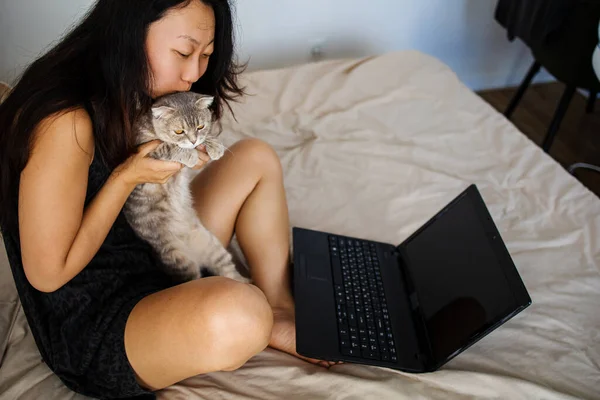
(79, 329)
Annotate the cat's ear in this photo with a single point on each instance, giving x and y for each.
(204, 102)
(162, 112)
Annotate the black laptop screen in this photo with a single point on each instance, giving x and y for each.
(460, 285)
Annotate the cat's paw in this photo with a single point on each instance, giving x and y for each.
(162, 152)
(215, 150)
(188, 157)
(172, 152)
(191, 159)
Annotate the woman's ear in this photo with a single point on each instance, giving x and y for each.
(162, 112)
(204, 102)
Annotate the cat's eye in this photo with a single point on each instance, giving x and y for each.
(200, 127)
(179, 131)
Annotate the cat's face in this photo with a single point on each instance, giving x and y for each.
(183, 119)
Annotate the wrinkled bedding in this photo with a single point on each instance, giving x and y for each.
(372, 148)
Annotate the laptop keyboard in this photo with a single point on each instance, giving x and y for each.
(363, 321)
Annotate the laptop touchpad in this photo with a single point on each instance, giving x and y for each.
(316, 267)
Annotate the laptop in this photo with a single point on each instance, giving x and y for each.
(411, 307)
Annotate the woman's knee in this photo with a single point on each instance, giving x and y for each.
(239, 324)
(259, 153)
(201, 326)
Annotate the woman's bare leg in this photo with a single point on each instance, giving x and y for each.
(243, 192)
(205, 325)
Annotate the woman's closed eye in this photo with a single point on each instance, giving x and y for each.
(186, 55)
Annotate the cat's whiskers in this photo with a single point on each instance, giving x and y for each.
(227, 148)
(210, 140)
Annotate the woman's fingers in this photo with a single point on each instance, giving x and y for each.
(165, 166)
(203, 157)
(146, 148)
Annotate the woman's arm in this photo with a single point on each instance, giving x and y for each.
(58, 239)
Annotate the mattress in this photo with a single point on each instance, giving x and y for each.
(373, 147)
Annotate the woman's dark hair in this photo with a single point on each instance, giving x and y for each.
(101, 65)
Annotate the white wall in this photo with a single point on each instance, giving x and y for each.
(29, 26)
(3, 36)
(276, 33)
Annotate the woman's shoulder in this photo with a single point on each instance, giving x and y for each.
(69, 130)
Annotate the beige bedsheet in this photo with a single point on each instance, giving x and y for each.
(373, 148)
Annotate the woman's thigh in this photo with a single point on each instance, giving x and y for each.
(206, 325)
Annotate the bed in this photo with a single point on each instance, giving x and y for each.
(372, 148)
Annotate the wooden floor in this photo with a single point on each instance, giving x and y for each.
(578, 139)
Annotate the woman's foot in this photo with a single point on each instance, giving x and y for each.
(283, 336)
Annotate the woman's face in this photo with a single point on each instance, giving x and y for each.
(179, 46)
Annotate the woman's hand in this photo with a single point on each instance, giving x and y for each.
(203, 157)
(139, 168)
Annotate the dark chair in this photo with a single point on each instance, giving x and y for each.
(565, 51)
(596, 67)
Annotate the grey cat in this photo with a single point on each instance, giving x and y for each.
(163, 214)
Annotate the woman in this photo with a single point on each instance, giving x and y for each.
(107, 321)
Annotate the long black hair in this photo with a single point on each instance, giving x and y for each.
(101, 65)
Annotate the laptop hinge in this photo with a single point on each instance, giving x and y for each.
(413, 300)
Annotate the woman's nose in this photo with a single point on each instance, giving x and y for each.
(193, 72)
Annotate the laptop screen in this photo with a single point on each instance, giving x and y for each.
(460, 284)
